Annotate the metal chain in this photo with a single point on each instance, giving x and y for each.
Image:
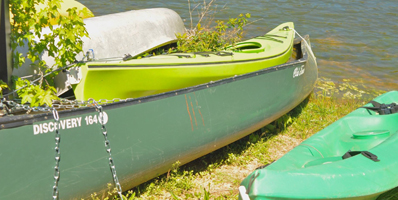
(69, 104)
(60, 104)
(101, 117)
(57, 154)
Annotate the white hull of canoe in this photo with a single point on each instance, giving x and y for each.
(115, 35)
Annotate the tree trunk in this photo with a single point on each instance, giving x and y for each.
(5, 46)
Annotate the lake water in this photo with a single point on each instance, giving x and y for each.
(355, 40)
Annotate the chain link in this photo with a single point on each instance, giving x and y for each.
(62, 104)
(108, 148)
(70, 104)
(57, 154)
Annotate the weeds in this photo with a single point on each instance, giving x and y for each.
(205, 36)
(347, 89)
(112, 194)
(217, 38)
(3, 86)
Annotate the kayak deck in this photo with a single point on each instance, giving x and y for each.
(350, 159)
(108, 79)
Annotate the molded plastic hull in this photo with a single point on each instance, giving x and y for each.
(147, 134)
(315, 169)
(109, 79)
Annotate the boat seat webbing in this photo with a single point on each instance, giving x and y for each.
(367, 154)
(218, 53)
(383, 109)
(264, 166)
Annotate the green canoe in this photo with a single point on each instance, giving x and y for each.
(148, 134)
(116, 78)
(354, 158)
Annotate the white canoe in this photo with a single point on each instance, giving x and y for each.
(115, 35)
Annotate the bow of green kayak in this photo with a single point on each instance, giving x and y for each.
(350, 159)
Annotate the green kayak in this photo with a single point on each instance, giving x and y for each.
(124, 78)
(354, 158)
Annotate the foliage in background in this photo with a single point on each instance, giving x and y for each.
(2, 87)
(205, 35)
(63, 42)
(35, 94)
(217, 38)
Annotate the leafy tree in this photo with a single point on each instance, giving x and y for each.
(62, 43)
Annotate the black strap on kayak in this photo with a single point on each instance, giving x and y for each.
(254, 176)
(264, 166)
(382, 109)
(180, 55)
(127, 57)
(367, 154)
(224, 53)
(218, 53)
(271, 37)
(205, 54)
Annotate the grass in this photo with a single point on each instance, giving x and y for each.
(218, 174)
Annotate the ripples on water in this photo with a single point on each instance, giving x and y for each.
(352, 39)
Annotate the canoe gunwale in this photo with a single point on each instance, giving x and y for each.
(28, 119)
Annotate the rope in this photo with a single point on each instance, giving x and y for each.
(306, 44)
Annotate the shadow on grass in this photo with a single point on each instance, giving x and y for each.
(220, 156)
(390, 195)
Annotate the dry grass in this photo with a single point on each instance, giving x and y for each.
(218, 174)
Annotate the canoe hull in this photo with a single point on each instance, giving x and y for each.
(147, 135)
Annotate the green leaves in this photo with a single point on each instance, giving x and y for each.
(63, 43)
(35, 94)
(2, 87)
(218, 38)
